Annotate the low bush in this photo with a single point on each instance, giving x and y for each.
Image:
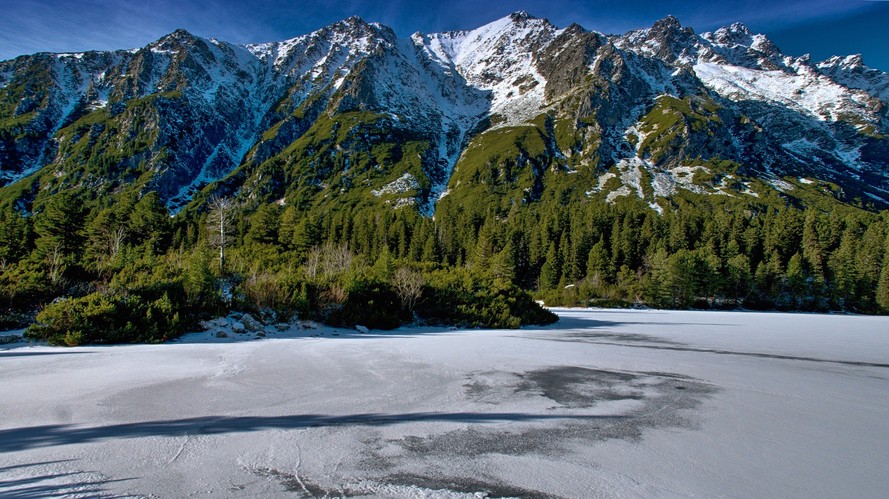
(146, 315)
(457, 297)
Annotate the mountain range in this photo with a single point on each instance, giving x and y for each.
(514, 109)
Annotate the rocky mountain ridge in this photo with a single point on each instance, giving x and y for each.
(353, 111)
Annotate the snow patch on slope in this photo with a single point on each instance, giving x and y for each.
(402, 185)
(804, 90)
(664, 182)
(498, 58)
(851, 72)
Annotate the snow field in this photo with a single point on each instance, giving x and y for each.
(604, 403)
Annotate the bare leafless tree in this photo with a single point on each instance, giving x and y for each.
(329, 260)
(219, 222)
(336, 259)
(313, 263)
(115, 239)
(55, 261)
(408, 284)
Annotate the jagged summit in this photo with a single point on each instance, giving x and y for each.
(669, 22)
(735, 34)
(178, 36)
(666, 39)
(738, 36)
(353, 21)
(853, 61)
(521, 16)
(180, 33)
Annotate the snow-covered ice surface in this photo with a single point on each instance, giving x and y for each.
(604, 403)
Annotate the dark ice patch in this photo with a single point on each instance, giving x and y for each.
(580, 387)
(660, 400)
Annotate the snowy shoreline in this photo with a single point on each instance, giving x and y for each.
(234, 329)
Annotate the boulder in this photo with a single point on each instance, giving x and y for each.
(5, 340)
(221, 334)
(250, 323)
(362, 329)
(238, 327)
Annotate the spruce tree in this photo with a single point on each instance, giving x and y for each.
(882, 293)
(59, 229)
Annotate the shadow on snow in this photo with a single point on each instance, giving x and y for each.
(19, 439)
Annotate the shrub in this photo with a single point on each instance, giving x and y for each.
(146, 315)
(456, 297)
(370, 303)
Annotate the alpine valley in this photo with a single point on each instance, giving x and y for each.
(659, 166)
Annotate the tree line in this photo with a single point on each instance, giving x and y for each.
(127, 271)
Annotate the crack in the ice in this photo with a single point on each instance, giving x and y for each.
(744, 354)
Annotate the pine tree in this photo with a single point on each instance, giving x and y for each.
(305, 236)
(106, 237)
(768, 275)
(484, 247)
(59, 229)
(796, 280)
(199, 281)
(551, 270)
(14, 236)
(882, 297)
(658, 280)
(431, 251)
(289, 219)
(683, 277)
(599, 264)
(149, 223)
(265, 224)
(812, 251)
(844, 272)
(739, 279)
(502, 266)
(384, 266)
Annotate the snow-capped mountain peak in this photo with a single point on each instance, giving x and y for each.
(666, 39)
(498, 58)
(735, 34)
(853, 61)
(851, 72)
(217, 105)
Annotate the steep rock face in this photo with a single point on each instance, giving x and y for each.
(500, 59)
(38, 95)
(199, 105)
(851, 72)
(781, 115)
(386, 80)
(666, 40)
(310, 69)
(350, 111)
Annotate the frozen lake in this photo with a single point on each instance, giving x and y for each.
(604, 403)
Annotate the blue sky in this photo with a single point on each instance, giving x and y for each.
(819, 27)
